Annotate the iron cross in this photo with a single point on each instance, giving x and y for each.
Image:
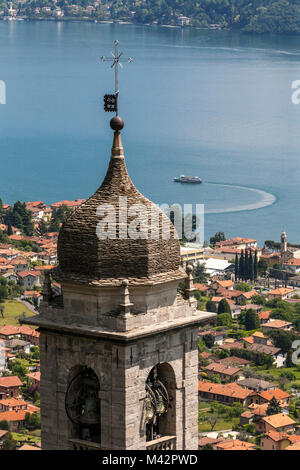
(116, 61)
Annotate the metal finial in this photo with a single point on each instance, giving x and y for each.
(111, 101)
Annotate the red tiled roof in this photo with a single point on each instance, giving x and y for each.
(277, 393)
(265, 315)
(277, 324)
(293, 262)
(222, 369)
(235, 444)
(10, 381)
(279, 436)
(28, 447)
(15, 415)
(229, 390)
(278, 420)
(34, 375)
(23, 274)
(13, 402)
(280, 291)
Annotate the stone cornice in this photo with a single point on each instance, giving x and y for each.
(119, 337)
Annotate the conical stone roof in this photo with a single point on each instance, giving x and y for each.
(85, 257)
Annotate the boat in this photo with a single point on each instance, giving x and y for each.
(188, 179)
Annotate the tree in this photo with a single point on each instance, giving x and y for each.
(4, 425)
(207, 447)
(262, 267)
(2, 310)
(9, 229)
(224, 307)
(218, 237)
(259, 300)
(32, 421)
(289, 361)
(224, 319)
(209, 340)
(274, 407)
(212, 419)
(210, 306)
(59, 217)
(199, 273)
(246, 266)
(255, 266)
(19, 216)
(18, 367)
(283, 339)
(252, 321)
(241, 266)
(3, 293)
(9, 443)
(242, 286)
(1, 210)
(251, 267)
(236, 267)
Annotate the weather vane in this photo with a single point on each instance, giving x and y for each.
(111, 101)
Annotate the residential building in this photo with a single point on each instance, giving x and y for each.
(190, 254)
(280, 293)
(238, 242)
(183, 20)
(292, 265)
(257, 385)
(274, 440)
(13, 404)
(234, 444)
(280, 423)
(218, 335)
(226, 372)
(10, 387)
(30, 279)
(227, 394)
(273, 325)
(33, 381)
(266, 396)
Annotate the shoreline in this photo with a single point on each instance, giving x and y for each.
(117, 22)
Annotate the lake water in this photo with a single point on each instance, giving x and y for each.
(215, 104)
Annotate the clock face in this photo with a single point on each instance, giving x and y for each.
(82, 398)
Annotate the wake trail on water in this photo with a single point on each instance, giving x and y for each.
(267, 199)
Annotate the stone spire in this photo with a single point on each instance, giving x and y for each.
(125, 305)
(84, 256)
(189, 283)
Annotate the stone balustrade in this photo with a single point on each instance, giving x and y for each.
(80, 444)
(162, 443)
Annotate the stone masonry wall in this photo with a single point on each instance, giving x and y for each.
(122, 371)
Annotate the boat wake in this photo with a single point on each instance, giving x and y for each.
(266, 199)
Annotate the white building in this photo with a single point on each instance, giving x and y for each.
(217, 266)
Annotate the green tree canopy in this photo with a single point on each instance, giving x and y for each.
(252, 321)
(224, 307)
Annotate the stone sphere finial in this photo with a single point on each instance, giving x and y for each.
(189, 268)
(125, 283)
(117, 123)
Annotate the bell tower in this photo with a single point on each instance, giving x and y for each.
(283, 243)
(119, 357)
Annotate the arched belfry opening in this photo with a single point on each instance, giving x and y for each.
(82, 405)
(160, 402)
